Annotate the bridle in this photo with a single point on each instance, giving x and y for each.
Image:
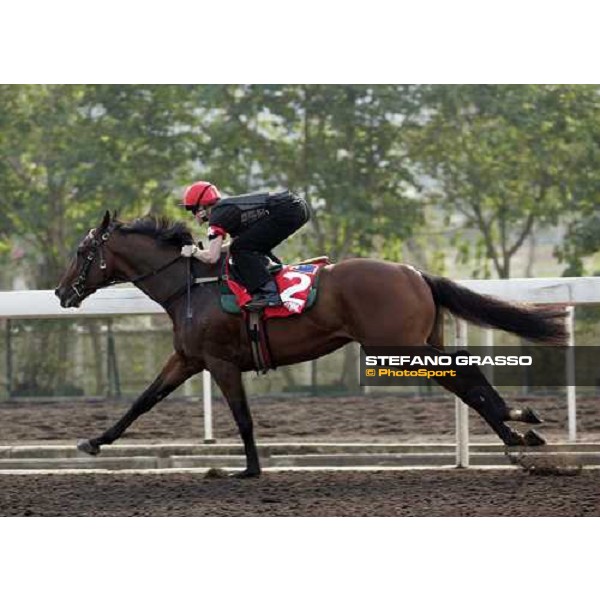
(78, 286)
(96, 247)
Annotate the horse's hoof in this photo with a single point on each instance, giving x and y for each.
(87, 447)
(533, 438)
(530, 416)
(514, 438)
(246, 474)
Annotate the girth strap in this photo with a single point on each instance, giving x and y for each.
(259, 342)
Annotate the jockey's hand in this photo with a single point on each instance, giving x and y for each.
(190, 250)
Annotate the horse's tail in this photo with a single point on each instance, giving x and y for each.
(535, 323)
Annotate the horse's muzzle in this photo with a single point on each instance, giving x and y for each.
(68, 297)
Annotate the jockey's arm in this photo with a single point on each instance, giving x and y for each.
(212, 253)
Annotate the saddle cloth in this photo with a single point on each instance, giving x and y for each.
(297, 285)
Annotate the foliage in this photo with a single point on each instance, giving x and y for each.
(500, 161)
(67, 152)
(505, 159)
(340, 146)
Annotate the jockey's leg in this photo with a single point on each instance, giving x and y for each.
(251, 246)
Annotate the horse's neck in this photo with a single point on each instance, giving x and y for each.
(159, 274)
(145, 268)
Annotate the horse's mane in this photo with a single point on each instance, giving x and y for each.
(161, 229)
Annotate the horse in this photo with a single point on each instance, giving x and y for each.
(373, 302)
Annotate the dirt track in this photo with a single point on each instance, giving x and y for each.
(382, 493)
(389, 493)
(362, 418)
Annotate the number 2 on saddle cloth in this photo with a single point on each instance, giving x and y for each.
(297, 286)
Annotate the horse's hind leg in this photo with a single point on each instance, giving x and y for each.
(471, 386)
(524, 415)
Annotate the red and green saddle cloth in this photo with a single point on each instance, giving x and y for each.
(297, 285)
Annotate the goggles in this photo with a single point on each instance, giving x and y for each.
(194, 209)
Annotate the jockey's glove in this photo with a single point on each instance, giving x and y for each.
(190, 250)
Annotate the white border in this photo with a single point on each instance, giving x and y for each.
(430, 41)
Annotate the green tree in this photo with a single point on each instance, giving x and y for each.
(580, 188)
(341, 146)
(504, 158)
(66, 154)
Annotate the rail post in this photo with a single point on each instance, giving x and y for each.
(570, 366)
(9, 359)
(207, 404)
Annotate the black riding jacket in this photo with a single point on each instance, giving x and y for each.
(235, 214)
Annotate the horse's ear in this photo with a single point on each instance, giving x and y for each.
(106, 220)
(114, 215)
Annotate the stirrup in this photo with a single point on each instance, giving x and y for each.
(261, 302)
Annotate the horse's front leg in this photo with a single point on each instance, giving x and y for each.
(173, 374)
(229, 378)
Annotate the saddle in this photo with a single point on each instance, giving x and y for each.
(297, 285)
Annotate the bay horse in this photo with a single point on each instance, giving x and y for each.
(372, 302)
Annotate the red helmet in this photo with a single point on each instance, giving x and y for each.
(201, 192)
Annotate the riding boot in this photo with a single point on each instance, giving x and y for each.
(267, 295)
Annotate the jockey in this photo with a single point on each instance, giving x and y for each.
(256, 223)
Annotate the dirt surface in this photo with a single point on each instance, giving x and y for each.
(366, 418)
(382, 493)
(361, 418)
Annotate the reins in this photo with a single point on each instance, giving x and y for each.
(189, 288)
(155, 271)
